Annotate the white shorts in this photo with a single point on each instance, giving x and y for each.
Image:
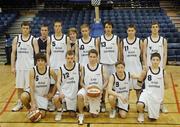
(52, 80)
(134, 84)
(153, 105)
(94, 103)
(22, 79)
(122, 106)
(110, 68)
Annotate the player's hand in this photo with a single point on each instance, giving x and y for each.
(62, 95)
(13, 70)
(33, 107)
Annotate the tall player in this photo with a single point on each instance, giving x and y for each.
(42, 40)
(156, 43)
(132, 49)
(94, 74)
(153, 93)
(85, 44)
(56, 50)
(67, 83)
(22, 59)
(38, 95)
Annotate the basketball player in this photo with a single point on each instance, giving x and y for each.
(156, 43)
(22, 59)
(42, 40)
(108, 48)
(67, 84)
(85, 44)
(37, 96)
(56, 50)
(118, 90)
(73, 35)
(131, 48)
(94, 74)
(153, 93)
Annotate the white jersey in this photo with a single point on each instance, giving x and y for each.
(42, 81)
(70, 80)
(25, 53)
(154, 84)
(108, 50)
(94, 77)
(84, 49)
(58, 51)
(132, 52)
(153, 47)
(122, 86)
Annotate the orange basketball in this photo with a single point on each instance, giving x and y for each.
(93, 91)
(34, 116)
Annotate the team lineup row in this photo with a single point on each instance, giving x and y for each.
(109, 48)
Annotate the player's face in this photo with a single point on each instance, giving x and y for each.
(57, 27)
(120, 68)
(44, 31)
(92, 58)
(131, 32)
(41, 63)
(155, 61)
(72, 36)
(108, 29)
(154, 29)
(85, 32)
(25, 30)
(70, 59)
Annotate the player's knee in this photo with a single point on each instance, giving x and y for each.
(123, 115)
(111, 98)
(80, 97)
(25, 97)
(140, 106)
(55, 99)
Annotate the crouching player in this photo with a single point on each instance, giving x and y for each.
(153, 92)
(37, 95)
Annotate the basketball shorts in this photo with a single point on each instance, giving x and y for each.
(22, 79)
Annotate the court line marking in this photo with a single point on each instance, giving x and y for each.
(8, 101)
(175, 93)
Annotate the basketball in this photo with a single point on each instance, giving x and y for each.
(93, 91)
(34, 116)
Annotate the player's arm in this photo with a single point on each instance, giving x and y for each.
(48, 50)
(145, 52)
(32, 90)
(105, 75)
(82, 78)
(68, 44)
(165, 53)
(59, 79)
(35, 44)
(141, 49)
(76, 51)
(121, 58)
(166, 81)
(13, 55)
(119, 49)
(97, 44)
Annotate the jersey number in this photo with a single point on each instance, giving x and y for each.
(19, 43)
(82, 47)
(103, 44)
(37, 78)
(53, 44)
(66, 75)
(117, 84)
(126, 48)
(149, 77)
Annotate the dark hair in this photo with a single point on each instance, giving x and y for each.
(57, 21)
(109, 23)
(40, 56)
(119, 62)
(25, 23)
(69, 53)
(155, 55)
(132, 26)
(155, 23)
(93, 51)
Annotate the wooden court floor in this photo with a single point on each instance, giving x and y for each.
(18, 119)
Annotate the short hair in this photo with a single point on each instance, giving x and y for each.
(155, 23)
(40, 56)
(44, 25)
(118, 63)
(109, 23)
(25, 23)
(70, 53)
(155, 55)
(57, 21)
(72, 29)
(93, 51)
(84, 26)
(132, 26)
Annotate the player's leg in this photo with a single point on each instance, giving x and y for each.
(26, 99)
(122, 113)
(112, 102)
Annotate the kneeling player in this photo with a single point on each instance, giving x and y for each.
(37, 96)
(153, 93)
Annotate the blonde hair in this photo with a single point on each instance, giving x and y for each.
(72, 29)
(85, 26)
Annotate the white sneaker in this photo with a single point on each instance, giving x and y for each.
(112, 113)
(81, 119)
(103, 108)
(141, 118)
(51, 106)
(163, 109)
(18, 106)
(58, 116)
